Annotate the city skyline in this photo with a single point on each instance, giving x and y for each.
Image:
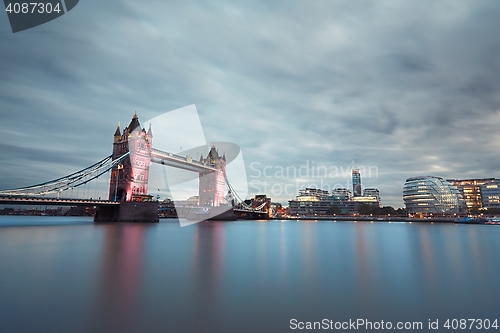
(408, 88)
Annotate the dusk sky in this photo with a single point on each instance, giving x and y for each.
(400, 88)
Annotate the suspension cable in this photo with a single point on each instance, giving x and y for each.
(71, 181)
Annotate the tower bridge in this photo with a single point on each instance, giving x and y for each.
(129, 179)
(129, 163)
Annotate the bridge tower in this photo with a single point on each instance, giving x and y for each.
(129, 180)
(212, 184)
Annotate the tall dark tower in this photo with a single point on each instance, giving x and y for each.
(213, 183)
(356, 183)
(129, 179)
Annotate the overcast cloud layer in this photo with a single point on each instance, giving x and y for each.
(410, 87)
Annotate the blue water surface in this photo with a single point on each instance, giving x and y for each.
(66, 274)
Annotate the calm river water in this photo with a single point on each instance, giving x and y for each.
(60, 274)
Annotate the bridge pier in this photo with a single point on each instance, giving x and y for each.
(128, 212)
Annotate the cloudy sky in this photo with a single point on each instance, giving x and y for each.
(404, 87)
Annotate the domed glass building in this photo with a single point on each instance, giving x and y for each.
(428, 195)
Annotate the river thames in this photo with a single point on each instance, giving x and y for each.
(65, 274)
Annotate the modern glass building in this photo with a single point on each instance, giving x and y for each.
(428, 195)
(341, 194)
(472, 191)
(310, 201)
(314, 193)
(342, 198)
(371, 192)
(356, 182)
(490, 195)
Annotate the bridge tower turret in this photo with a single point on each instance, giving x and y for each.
(129, 179)
(212, 184)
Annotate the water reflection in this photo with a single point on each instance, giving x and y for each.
(309, 248)
(427, 250)
(118, 279)
(363, 265)
(243, 276)
(208, 270)
(283, 254)
(478, 254)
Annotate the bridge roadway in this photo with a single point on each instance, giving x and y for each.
(16, 200)
(251, 214)
(181, 162)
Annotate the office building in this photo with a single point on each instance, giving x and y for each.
(371, 192)
(356, 183)
(490, 195)
(471, 191)
(341, 194)
(310, 201)
(479, 194)
(313, 193)
(308, 208)
(348, 204)
(372, 200)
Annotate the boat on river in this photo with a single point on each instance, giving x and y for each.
(472, 220)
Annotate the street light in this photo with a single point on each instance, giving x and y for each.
(120, 166)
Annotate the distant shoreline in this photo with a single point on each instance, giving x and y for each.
(372, 219)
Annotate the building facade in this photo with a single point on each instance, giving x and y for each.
(310, 201)
(479, 194)
(212, 184)
(348, 204)
(471, 190)
(490, 195)
(314, 192)
(129, 179)
(372, 192)
(317, 202)
(369, 200)
(341, 194)
(351, 207)
(356, 183)
(308, 208)
(428, 195)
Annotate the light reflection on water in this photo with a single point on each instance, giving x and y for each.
(69, 275)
